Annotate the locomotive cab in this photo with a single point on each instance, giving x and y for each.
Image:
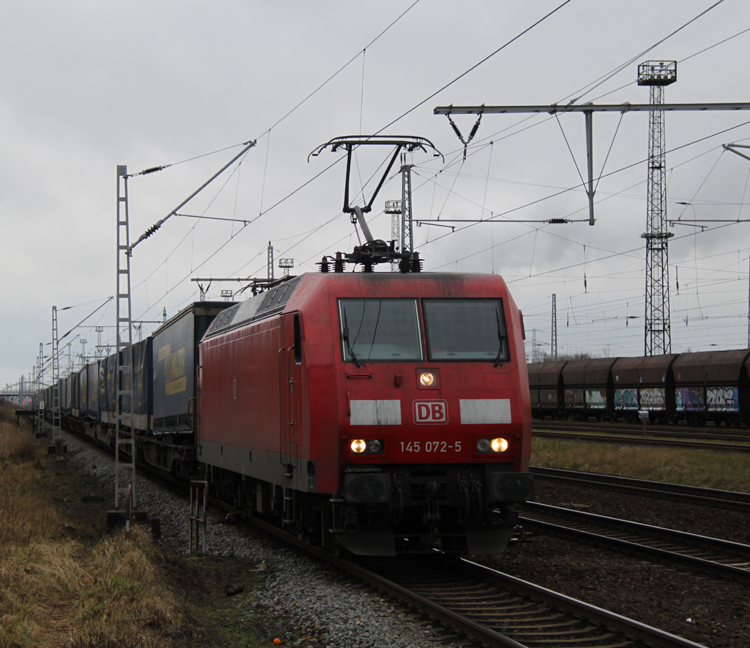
(433, 434)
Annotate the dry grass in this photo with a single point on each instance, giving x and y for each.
(704, 468)
(54, 590)
(123, 599)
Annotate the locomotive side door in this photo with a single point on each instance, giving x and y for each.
(290, 359)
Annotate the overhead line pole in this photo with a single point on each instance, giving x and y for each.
(733, 148)
(56, 417)
(123, 375)
(553, 350)
(39, 404)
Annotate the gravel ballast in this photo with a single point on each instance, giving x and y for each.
(705, 609)
(308, 603)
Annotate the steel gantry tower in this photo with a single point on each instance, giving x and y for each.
(658, 339)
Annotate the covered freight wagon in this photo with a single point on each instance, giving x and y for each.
(712, 386)
(643, 384)
(588, 387)
(546, 388)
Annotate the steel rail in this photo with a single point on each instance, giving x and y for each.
(627, 440)
(478, 601)
(677, 492)
(710, 554)
(615, 622)
(521, 613)
(652, 429)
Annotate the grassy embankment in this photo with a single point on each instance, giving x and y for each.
(65, 580)
(704, 468)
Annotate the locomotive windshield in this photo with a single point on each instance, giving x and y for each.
(380, 329)
(466, 329)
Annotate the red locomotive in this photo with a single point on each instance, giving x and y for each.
(378, 412)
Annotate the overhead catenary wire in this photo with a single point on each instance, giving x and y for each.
(149, 232)
(606, 77)
(562, 190)
(602, 79)
(444, 87)
(158, 225)
(102, 305)
(561, 237)
(269, 209)
(475, 66)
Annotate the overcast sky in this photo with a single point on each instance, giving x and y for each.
(87, 86)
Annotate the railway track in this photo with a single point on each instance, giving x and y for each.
(653, 429)
(642, 440)
(729, 559)
(728, 500)
(493, 608)
(500, 610)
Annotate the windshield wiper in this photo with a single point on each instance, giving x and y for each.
(499, 337)
(345, 334)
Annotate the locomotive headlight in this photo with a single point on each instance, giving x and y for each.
(367, 446)
(426, 378)
(498, 445)
(358, 446)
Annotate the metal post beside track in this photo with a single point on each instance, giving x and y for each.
(198, 514)
(643, 415)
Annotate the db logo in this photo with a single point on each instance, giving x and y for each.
(433, 411)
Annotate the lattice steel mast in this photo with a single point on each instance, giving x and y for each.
(56, 428)
(39, 404)
(124, 438)
(393, 207)
(658, 339)
(407, 226)
(269, 263)
(553, 349)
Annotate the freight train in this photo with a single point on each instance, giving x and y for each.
(693, 388)
(372, 412)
